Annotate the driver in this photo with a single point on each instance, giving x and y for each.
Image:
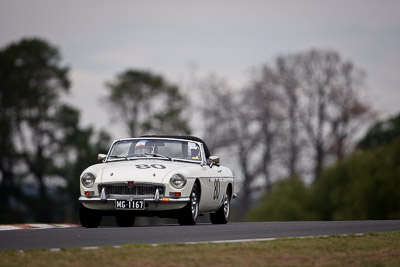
(195, 153)
(142, 149)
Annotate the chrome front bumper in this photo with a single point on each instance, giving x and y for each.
(151, 204)
(156, 202)
(83, 199)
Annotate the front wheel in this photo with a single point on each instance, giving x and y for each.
(222, 214)
(89, 218)
(190, 212)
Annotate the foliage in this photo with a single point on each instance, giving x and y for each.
(147, 103)
(289, 200)
(42, 145)
(381, 133)
(362, 187)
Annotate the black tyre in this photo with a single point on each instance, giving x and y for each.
(222, 214)
(190, 212)
(89, 218)
(125, 218)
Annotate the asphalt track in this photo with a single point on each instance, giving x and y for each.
(115, 236)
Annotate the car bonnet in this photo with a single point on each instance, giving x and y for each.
(148, 171)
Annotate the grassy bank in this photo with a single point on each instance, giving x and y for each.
(378, 249)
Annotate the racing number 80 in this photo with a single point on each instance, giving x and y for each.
(145, 166)
(217, 188)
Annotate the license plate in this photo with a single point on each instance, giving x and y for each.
(129, 204)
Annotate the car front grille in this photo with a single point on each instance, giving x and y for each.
(135, 190)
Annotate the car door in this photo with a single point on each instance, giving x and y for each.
(212, 192)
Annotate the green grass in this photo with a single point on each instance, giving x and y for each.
(377, 249)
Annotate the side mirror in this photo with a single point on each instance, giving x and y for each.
(101, 157)
(214, 160)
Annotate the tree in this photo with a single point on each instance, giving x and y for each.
(381, 133)
(247, 145)
(318, 73)
(8, 120)
(331, 109)
(363, 186)
(43, 148)
(77, 149)
(213, 102)
(263, 103)
(307, 104)
(289, 200)
(32, 80)
(349, 112)
(147, 103)
(228, 127)
(288, 79)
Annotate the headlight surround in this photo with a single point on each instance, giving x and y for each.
(88, 179)
(178, 181)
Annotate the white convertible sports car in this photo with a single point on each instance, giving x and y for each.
(163, 176)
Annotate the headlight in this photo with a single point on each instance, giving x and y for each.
(88, 179)
(178, 181)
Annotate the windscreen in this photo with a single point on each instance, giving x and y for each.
(142, 148)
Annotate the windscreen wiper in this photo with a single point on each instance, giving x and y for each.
(158, 155)
(119, 157)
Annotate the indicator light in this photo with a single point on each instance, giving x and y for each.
(175, 194)
(89, 193)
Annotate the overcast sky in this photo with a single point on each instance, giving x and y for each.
(99, 39)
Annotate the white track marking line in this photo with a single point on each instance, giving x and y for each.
(35, 226)
(66, 225)
(8, 227)
(90, 248)
(262, 239)
(231, 241)
(41, 226)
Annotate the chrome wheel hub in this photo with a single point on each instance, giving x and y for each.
(193, 199)
(226, 207)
